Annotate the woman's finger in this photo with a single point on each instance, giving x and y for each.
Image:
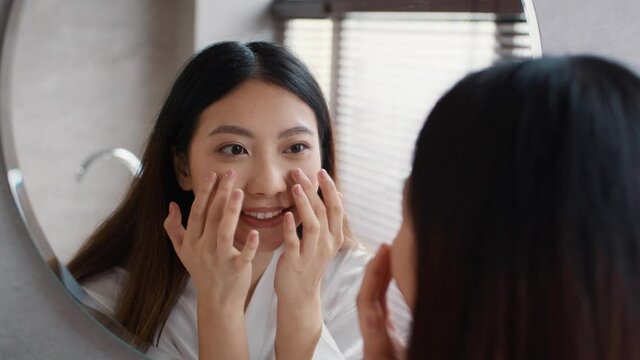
(217, 207)
(332, 202)
(312, 194)
(372, 313)
(291, 240)
(250, 247)
(319, 209)
(376, 280)
(308, 217)
(173, 227)
(228, 224)
(221, 197)
(198, 213)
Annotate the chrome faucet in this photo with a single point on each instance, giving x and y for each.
(123, 155)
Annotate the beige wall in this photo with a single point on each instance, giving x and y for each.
(607, 28)
(241, 20)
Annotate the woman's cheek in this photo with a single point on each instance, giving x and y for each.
(311, 168)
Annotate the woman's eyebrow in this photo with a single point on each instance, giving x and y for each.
(231, 129)
(295, 131)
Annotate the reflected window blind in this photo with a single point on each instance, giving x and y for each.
(383, 73)
(312, 41)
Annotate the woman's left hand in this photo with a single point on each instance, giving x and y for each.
(301, 266)
(381, 342)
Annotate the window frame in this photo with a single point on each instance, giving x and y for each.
(283, 10)
(322, 9)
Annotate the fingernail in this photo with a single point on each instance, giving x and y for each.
(230, 174)
(324, 173)
(170, 207)
(297, 189)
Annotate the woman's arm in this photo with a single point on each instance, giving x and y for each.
(221, 331)
(221, 274)
(301, 266)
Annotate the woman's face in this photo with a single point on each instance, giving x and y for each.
(403, 255)
(262, 132)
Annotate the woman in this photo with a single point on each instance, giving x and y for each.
(242, 130)
(521, 237)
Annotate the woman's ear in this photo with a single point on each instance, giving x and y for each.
(181, 169)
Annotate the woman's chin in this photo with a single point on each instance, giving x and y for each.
(269, 238)
(269, 245)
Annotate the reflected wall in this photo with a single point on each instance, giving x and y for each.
(87, 76)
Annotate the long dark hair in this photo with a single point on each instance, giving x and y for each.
(133, 236)
(525, 198)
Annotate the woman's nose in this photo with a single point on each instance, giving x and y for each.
(268, 179)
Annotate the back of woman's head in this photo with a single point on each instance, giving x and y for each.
(525, 195)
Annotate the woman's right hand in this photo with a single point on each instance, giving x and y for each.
(221, 273)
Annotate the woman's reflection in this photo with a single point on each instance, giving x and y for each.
(242, 126)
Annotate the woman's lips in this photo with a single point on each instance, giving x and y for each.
(261, 218)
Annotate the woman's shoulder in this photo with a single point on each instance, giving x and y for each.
(348, 261)
(342, 279)
(105, 287)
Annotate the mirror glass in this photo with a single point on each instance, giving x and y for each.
(88, 79)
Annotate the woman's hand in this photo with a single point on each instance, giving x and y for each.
(221, 273)
(206, 246)
(302, 264)
(380, 339)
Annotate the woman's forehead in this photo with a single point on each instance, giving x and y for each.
(259, 106)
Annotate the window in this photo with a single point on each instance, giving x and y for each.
(382, 73)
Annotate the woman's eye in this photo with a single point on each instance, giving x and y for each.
(297, 148)
(233, 149)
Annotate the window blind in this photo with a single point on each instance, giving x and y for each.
(383, 72)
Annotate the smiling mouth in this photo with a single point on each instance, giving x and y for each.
(266, 215)
(271, 218)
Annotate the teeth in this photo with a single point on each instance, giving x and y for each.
(263, 215)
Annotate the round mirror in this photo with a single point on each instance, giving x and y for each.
(88, 80)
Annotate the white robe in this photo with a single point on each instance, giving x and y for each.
(340, 338)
